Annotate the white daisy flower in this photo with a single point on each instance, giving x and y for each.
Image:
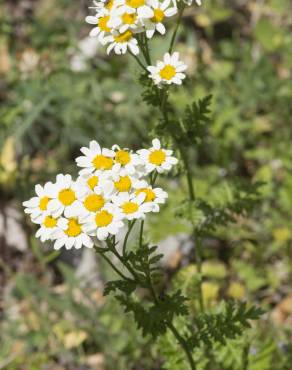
(125, 160)
(70, 234)
(169, 71)
(105, 222)
(142, 8)
(38, 205)
(161, 11)
(63, 195)
(155, 196)
(122, 20)
(122, 182)
(101, 29)
(91, 181)
(91, 200)
(121, 42)
(157, 158)
(132, 206)
(95, 158)
(48, 226)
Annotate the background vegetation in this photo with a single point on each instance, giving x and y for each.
(58, 90)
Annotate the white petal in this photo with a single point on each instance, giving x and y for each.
(160, 28)
(156, 144)
(94, 32)
(91, 19)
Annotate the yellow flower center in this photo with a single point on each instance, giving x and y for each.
(123, 37)
(102, 23)
(92, 182)
(109, 4)
(157, 157)
(66, 197)
(130, 207)
(101, 162)
(158, 16)
(129, 18)
(150, 195)
(103, 218)
(93, 202)
(50, 222)
(135, 3)
(167, 72)
(124, 184)
(74, 228)
(122, 157)
(44, 203)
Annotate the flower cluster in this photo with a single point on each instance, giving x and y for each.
(121, 24)
(111, 188)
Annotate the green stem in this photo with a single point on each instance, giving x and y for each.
(102, 254)
(183, 344)
(131, 224)
(139, 61)
(198, 255)
(141, 234)
(122, 259)
(143, 49)
(179, 18)
(147, 50)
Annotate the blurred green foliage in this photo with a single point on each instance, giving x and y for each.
(56, 94)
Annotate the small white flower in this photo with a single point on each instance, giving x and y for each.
(161, 11)
(154, 196)
(70, 234)
(48, 226)
(157, 158)
(38, 205)
(121, 42)
(92, 200)
(95, 158)
(122, 182)
(63, 195)
(122, 20)
(101, 29)
(125, 160)
(132, 206)
(169, 71)
(107, 221)
(142, 8)
(95, 181)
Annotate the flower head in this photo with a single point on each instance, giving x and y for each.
(153, 196)
(132, 206)
(48, 226)
(161, 11)
(38, 205)
(121, 42)
(101, 23)
(169, 71)
(71, 234)
(107, 221)
(63, 195)
(95, 159)
(157, 158)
